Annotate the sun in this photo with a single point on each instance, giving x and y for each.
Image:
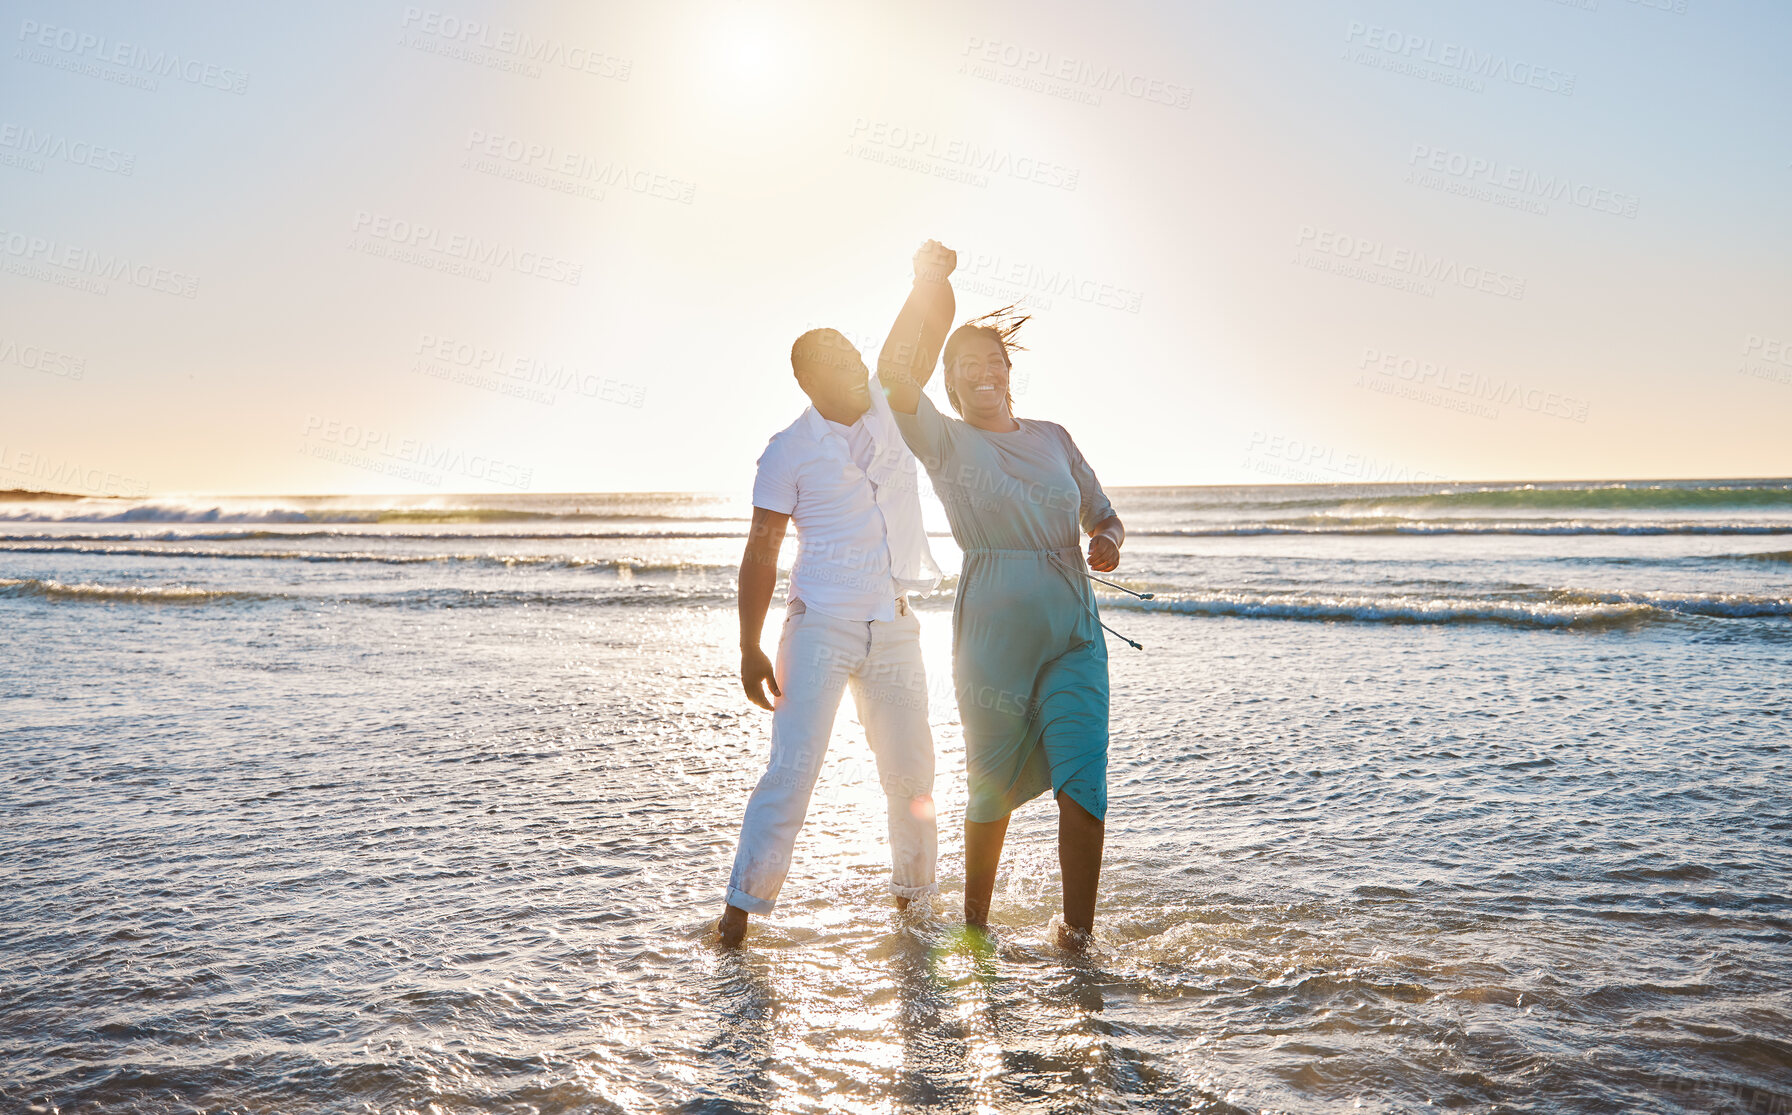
(750, 58)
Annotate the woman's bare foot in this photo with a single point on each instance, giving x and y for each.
(732, 927)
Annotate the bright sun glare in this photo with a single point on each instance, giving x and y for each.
(749, 56)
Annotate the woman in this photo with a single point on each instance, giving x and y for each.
(1029, 659)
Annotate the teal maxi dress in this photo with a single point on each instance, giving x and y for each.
(1028, 657)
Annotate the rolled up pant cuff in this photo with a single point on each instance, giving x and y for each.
(914, 892)
(742, 900)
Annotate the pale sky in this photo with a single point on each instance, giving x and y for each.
(302, 248)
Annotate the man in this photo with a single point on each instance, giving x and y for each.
(843, 475)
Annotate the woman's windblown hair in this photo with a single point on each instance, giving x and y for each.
(999, 326)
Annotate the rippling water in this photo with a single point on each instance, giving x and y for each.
(1421, 798)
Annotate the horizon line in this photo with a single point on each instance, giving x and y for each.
(30, 495)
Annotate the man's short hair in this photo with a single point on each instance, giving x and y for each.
(825, 347)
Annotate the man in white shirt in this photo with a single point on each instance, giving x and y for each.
(843, 475)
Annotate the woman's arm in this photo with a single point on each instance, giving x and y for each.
(1094, 512)
(1104, 544)
(905, 363)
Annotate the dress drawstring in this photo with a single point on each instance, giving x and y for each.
(1123, 588)
(1058, 562)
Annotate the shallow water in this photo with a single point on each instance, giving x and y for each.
(450, 834)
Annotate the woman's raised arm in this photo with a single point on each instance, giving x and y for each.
(905, 363)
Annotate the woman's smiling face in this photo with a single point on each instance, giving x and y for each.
(979, 377)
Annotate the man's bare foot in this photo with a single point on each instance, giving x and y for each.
(901, 902)
(1072, 939)
(732, 927)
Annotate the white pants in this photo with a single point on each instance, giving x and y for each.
(818, 656)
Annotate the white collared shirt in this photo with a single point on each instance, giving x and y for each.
(860, 541)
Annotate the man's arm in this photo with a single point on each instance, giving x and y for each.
(758, 579)
(905, 363)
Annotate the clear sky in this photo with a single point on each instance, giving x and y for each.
(297, 248)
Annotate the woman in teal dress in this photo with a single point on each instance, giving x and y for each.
(1029, 659)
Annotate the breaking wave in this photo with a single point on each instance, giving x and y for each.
(120, 594)
(1562, 608)
(501, 561)
(1391, 526)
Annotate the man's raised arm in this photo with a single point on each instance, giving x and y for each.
(905, 363)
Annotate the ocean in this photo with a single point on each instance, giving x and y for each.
(1467, 797)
